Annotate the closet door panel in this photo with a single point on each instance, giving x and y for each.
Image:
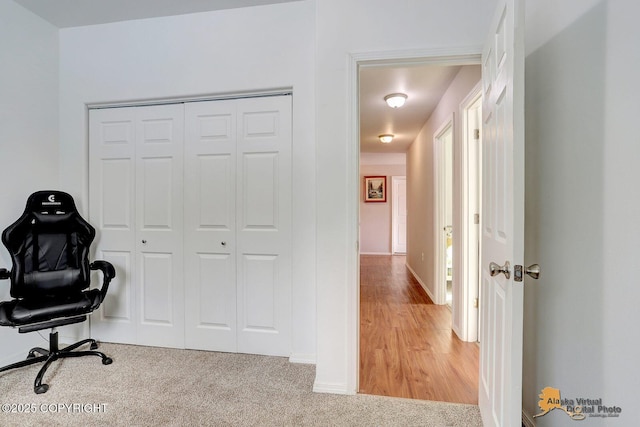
(111, 212)
(264, 227)
(210, 223)
(159, 220)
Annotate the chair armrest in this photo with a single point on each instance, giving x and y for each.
(4, 274)
(108, 273)
(106, 268)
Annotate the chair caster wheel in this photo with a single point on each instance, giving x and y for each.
(107, 361)
(94, 346)
(41, 389)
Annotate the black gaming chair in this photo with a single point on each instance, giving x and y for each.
(49, 248)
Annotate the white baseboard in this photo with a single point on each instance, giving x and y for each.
(426, 289)
(16, 356)
(527, 420)
(15, 346)
(330, 388)
(305, 359)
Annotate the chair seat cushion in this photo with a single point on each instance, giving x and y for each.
(23, 312)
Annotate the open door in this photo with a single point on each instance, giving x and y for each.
(500, 380)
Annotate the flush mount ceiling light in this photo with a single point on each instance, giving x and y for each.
(395, 100)
(386, 138)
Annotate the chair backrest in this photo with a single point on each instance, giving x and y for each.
(49, 247)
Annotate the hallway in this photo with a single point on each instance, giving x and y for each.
(407, 347)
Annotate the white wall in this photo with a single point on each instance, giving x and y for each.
(345, 28)
(28, 130)
(420, 178)
(582, 205)
(582, 150)
(225, 52)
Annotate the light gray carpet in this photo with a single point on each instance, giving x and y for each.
(148, 386)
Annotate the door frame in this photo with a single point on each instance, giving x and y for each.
(466, 324)
(467, 55)
(395, 179)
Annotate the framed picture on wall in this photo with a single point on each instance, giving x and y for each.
(375, 188)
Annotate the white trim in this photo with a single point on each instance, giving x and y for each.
(302, 358)
(425, 287)
(527, 419)
(353, 230)
(467, 314)
(439, 210)
(19, 355)
(461, 55)
(331, 388)
(376, 253)
(190, 98)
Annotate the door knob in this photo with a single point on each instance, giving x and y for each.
(533, 271)
(496, 269)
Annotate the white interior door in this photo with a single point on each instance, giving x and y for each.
(210, 226)
(500, 382)
(399, 214)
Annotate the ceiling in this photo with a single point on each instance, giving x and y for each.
(77, 13)
(424, 84)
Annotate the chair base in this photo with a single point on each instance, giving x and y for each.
(53, 354)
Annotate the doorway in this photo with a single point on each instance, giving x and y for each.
(443, 185)
(500, 393)
(399, 215)
(396, 278)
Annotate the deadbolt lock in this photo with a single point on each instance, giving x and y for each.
(533, 271)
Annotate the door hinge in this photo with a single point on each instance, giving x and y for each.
(476, 134)
(476, 303)
(476, 218)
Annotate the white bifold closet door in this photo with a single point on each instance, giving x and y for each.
(136, 206)
(192, 203)
(238, 225)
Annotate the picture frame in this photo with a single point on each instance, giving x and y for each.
(375, 189)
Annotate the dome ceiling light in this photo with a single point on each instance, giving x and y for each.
(386, 138)
(395, 100)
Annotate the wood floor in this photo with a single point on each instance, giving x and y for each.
(407, 347)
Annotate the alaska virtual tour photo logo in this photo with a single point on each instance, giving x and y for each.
(577, 408)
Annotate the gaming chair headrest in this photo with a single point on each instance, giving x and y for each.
(50, 202)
